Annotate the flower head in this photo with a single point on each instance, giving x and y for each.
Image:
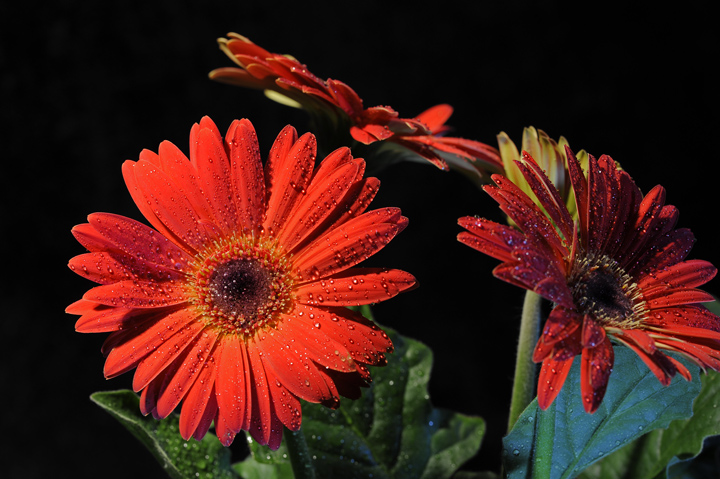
(617, 274)
(286, 80)
(234, 304)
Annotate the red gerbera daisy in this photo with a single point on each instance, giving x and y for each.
(288, 81)
(618, 274)
(235, 303)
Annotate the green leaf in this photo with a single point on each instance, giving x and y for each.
(653, 455)
(392, 431)
(563, 440)
(181, 459)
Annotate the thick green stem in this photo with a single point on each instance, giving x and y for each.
(525, 377)
(544, 441)
(300, 459)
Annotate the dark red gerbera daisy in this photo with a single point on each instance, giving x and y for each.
(288, 81)
(235, 304)
(618, 274)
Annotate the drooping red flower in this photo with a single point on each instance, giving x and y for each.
(616, 275)
(288, 81)
(235, 304)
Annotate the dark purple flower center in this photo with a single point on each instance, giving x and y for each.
(239, 288)
(602, 289)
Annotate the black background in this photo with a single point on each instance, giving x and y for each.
(86, 85)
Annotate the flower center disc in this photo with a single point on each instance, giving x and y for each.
(602, 289)
(240, 287)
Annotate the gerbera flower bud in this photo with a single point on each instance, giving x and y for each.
(234, 304)
(548, 154)
(616, 275)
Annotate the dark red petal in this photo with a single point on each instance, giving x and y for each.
(640, 338)
(658, 363)
(488, 237)
(559, 326)
(596, 366)
(677, 297)
(688, 274)
(667, 250)
(356, 287)
(695, 316)
(547, 194)
(552, 377)
(580, 189)
(592, 333)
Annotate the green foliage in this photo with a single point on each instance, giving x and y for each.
(653, 454)
(181, 459)
(392, 431)
(564, 440)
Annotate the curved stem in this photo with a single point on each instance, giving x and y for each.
(300, 459)
(525, 375)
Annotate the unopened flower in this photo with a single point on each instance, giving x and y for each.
(616, 275)
(235, 303)
(286, 80)
(549, 155)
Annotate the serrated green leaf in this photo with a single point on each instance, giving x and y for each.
(181, 459)
(653, 454)
(564, 440)
(392, 431)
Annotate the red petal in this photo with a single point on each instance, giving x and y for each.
(640, 338)
(199, 403)
(691, 315)
(143, 339)
(596, 366)
(353, 204)
(106, 268)
(285, 405)
(104, 319)
(436, 116)
(356, 287)
(164, 354)
(365, 342)
(136, 239)
(677, 297)
(323, 194)
(194, 360)
(233, 384)
(287, 174)
(213, 172)
(658, 363)
(559, 326)
(137, 294)
(248, 178)
(295, 369)
(310, 341)
(349, 244)
(262, 412)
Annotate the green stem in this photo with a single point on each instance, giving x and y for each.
(525, 376)
(300, 459)
(544, 441)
